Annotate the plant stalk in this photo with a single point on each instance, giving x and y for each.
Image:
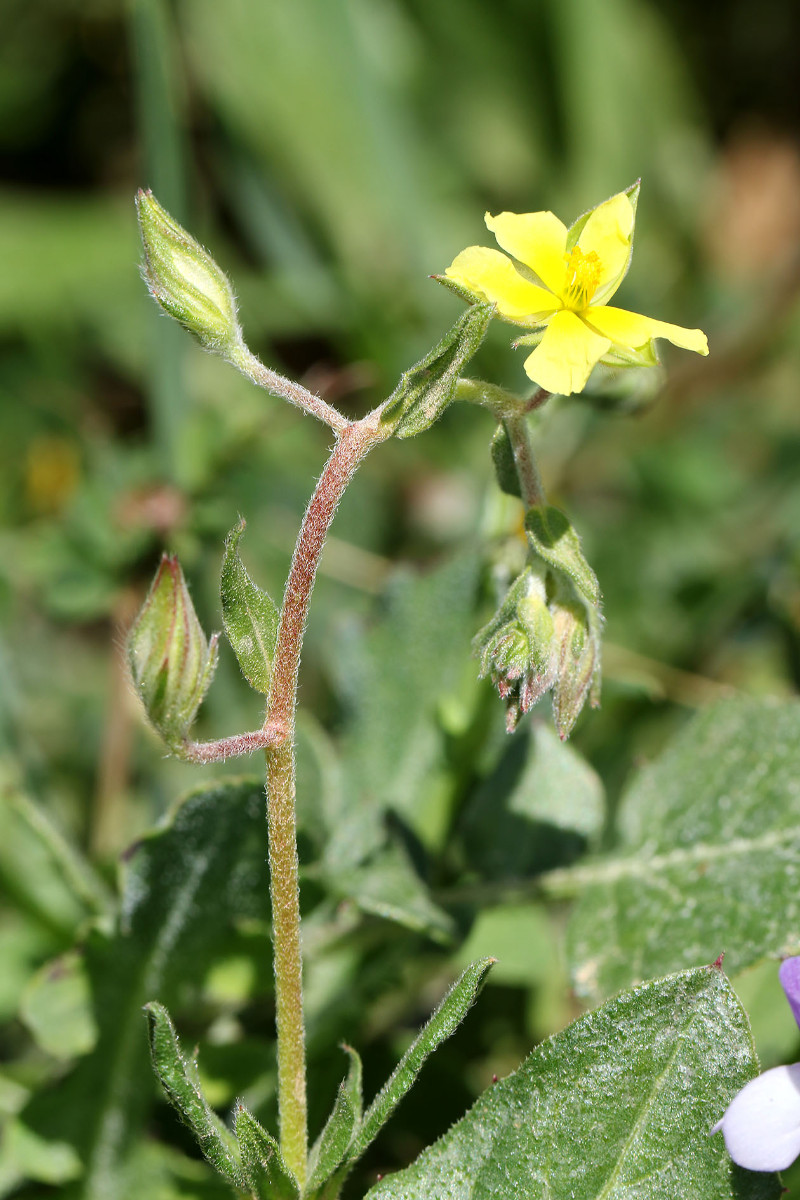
(288, 389)
(353, 443)
(527, 471)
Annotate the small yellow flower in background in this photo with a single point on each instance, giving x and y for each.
(558, 282)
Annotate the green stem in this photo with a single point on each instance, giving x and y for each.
(280, 385)
(527, 471)
(354, 442)
(284, 889)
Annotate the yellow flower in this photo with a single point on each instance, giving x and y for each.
(558, 282)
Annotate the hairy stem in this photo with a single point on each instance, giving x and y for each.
(228, 747)
(295, 393)
(527, 472)
(354, 442)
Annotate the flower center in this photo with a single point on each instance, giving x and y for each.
(583, 276)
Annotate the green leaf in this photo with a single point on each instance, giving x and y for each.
(26, 1155)
(330, 1149)
(393, 678)
(47, 876)
(503, 460)
(709, 845)
(180, 1081)
(56, 1007)
(618, 1105)
(539, 808)
(442, 1024)
(425, 390)
(387, 886)
(263, 1163)
(553, 539)
(188, 885)
(249, 615)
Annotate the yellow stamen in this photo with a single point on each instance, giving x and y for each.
(584, 272)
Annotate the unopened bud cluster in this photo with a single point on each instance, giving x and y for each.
(184, 279)
(171, 661)
(545, 635)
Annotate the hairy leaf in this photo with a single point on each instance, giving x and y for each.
(187, 885)
(553, 539)
(425, 390)
(266, 1172)
(442, 1024)
(617, 1106)
(330, 1149)
(249, 615)
(709, 857)
(540, 806)
(180, 1081)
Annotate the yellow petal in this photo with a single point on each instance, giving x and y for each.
(609, 232)
(632, 329)
(493, 275)
(563, 360)
(537, 239)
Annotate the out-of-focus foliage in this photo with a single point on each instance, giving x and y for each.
(333, 156)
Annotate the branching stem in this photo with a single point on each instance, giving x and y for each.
(354, 442)
(229, 747)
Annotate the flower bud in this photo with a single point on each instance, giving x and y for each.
(185, 280)
(170, 660)
(577, 642)
(517, 647)
(546, 633)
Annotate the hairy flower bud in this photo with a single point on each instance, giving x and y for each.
(185, 280)
(577, 641)
(546, 633)
(171, 661)
(516, 648)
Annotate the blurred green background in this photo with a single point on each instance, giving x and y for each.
(333, 154)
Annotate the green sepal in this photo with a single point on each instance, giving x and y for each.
(180, 1081)
(529, 339)
(503, 460)
(425, 390)
(517, 647)
(622, 356)
(444, 1022)
(331, 1147)
(267, 1176)
(249, 615)
(552, 539)
(458, 289)
(577, 629)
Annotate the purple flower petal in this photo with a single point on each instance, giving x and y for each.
(761, 1125)
(789, 976)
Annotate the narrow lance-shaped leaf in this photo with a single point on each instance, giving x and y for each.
(330, 1149)
(444, 1022)
(425, 390)
(179, 1080)
(265, 1170)
(249, 615)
